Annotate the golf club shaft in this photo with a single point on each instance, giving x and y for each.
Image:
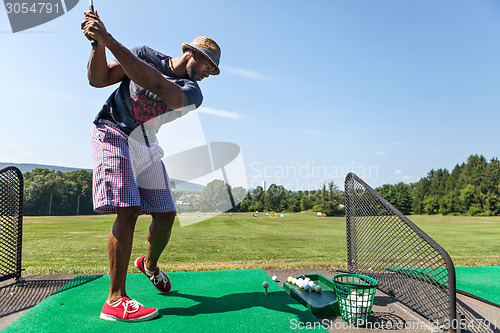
(91, 6)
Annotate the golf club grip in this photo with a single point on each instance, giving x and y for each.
(93, 42)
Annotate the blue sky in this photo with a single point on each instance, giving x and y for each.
(388, 89)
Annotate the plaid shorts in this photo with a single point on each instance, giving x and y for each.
(128, 173)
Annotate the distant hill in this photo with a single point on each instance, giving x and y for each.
(187, 186)
(27, 167)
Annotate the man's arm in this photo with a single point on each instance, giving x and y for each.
(101, 73)
(137, 70)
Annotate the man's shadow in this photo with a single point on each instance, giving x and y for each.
(274, 301)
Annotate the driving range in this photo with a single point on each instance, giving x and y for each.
(418, 287)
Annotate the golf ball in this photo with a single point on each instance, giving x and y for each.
(290, 279)
(311, 283)
(275, 278)
(317, 289)
(294, 281)
(265, 284)
(313, 286)
(307, 286)
(353, 296)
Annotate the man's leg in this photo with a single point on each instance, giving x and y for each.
(119, 249)
(158, 237)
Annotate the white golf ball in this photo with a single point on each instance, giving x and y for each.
(311, 282)
(265, 284)
(275, 278)
(360, 304)
(300, 284)
(312, 286)
(353, 296)
(307, 279)
(294, 281)
(307, 286)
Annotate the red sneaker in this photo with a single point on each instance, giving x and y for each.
(127, 310)
(159, 279)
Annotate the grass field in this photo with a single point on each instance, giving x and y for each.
(78, 244)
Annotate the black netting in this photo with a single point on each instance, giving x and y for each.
(11, 222)
(382, 243)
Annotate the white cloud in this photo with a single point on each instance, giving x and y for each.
(246, 73)
(219, 113)
(397, 143)
(313, 132)
(380, 153)
(26, 154)
(398, 172)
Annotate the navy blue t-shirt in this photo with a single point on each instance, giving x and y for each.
(130, 105)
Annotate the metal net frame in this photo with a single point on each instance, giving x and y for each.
(408, 264)
(11, 222)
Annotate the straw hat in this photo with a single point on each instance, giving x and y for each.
(208, 47)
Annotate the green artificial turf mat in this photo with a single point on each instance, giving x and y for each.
(211, 301)
(482, 281)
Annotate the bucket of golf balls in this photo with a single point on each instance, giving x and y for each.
(355, 294)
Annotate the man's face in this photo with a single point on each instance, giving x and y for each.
(198, 67)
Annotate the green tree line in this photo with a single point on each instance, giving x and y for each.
(48, 192)
(328, 199)
(471, 188)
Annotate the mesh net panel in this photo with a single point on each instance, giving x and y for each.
(11, 202)
(408, 265)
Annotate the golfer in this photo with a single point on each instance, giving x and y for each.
(151, 85)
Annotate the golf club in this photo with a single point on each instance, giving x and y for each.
(91, 6)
